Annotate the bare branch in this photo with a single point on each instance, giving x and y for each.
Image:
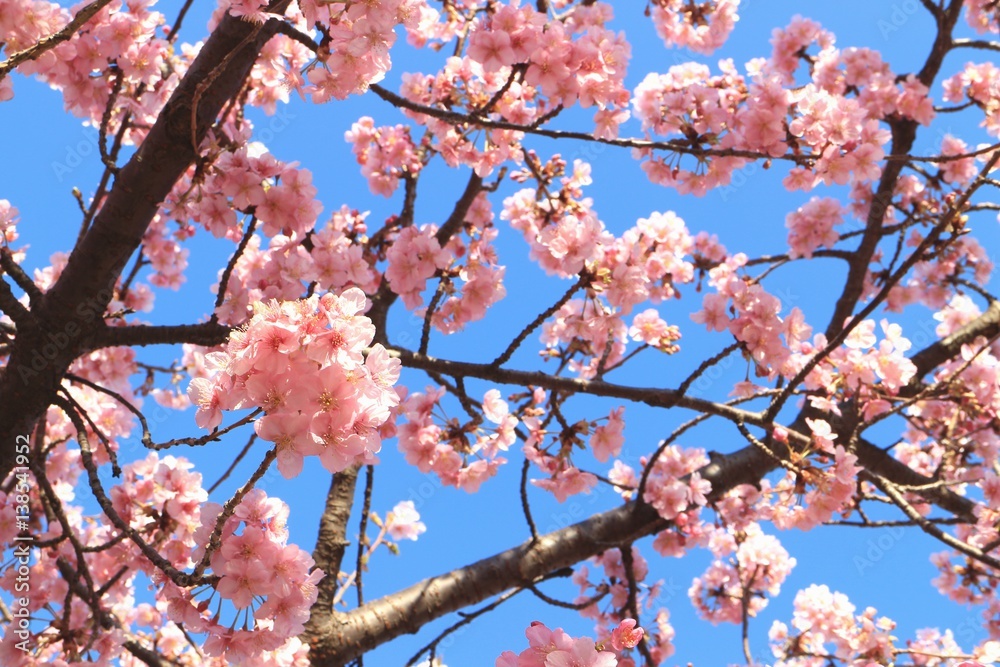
(983, 44)
(344, 636)
(10, 305)
(911, 512)
(332, 543)
(537, 322)
(23, 280)
(207, 334)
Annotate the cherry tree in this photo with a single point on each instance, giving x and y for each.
(126, 555)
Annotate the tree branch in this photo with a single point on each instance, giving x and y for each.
(73, 308)
(208, 334)
(55, 40)
(332, 543)
(656, 397)
(9, 304)
(344, 636)
(904, 133)
(987, 325)
(976, 44)
(878, 462)
(347, 635)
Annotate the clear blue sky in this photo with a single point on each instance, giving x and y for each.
(48, 153)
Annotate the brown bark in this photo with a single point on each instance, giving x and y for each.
(986, 325)
(345, 636)
(68, 319)
(332, 542)
(904, 133)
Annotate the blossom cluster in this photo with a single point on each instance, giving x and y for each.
(461, 455)
(413, 259)
(982, 15)
(811, 226)
(386, 154)
(589, 70)
(674, 486)
(757, 323)
(122, 42)
(756, 569)
(701, 27)
(609, 613)
(825, 624)
(475, 281)
(303, 364)
(977, 83)
(834, 118)
(556, 648)
(252, 180)
(334, 261)
(253, 562)
(360, 37)
(522, 67)
(646, 263)
(824, 617)
(8, 221)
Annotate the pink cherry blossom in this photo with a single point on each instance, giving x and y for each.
(404, 521)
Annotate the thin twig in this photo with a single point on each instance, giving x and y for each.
(232, 466)
(466, 619)
(366, 509)
(537, 322)
(525, 506)
(220, 298)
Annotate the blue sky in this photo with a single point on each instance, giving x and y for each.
(49, 153)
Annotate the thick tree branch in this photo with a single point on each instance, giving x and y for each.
(72, 310)
(878, 462)
(984, 44)
(332, 542)
(208, 334)
(987, 325)
(346, 636)
(904, 133)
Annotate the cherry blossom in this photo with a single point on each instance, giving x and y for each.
(404, 522)
(302, 347)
